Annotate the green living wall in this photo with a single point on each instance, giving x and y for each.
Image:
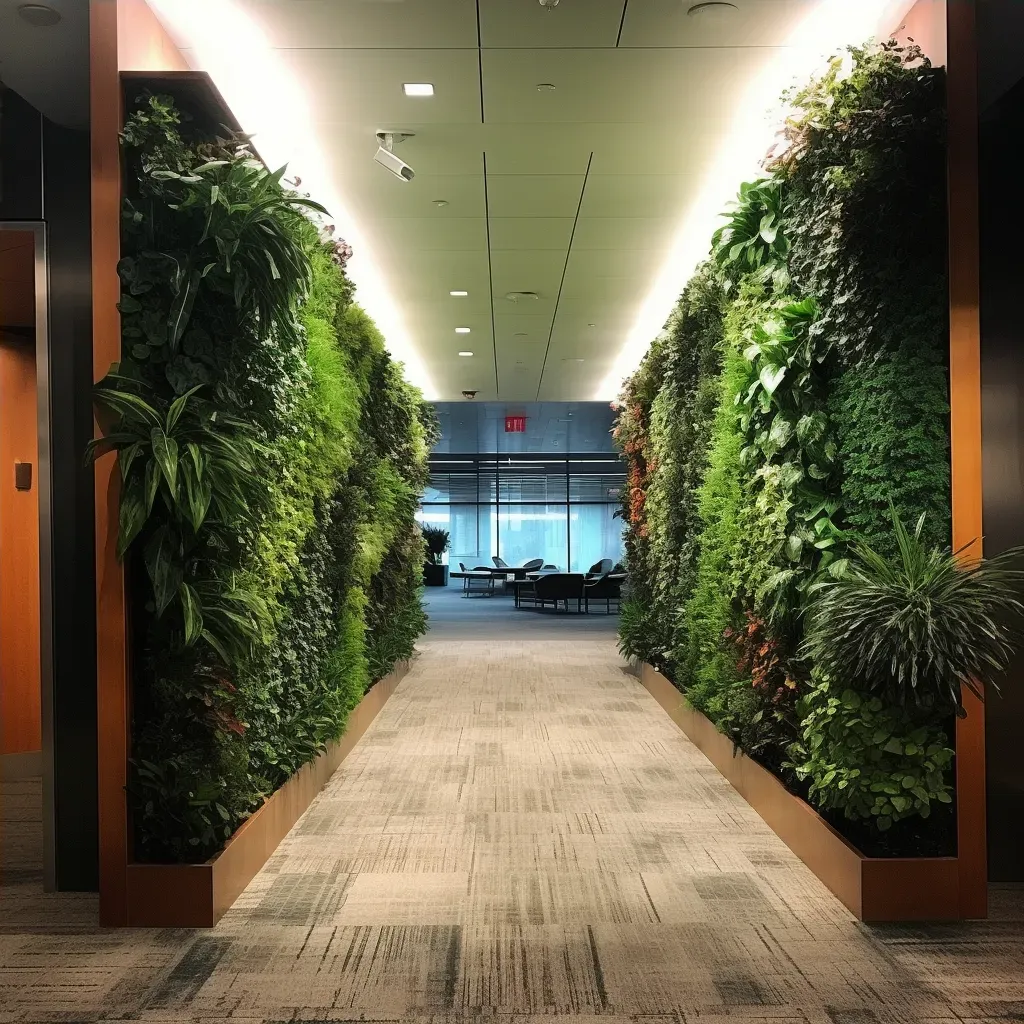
(797, 395)
(272, 458)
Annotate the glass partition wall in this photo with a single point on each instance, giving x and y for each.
(560, 508)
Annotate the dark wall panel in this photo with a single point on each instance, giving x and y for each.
(45, 175)
(1002, 223)
(67, 193)
(21, 174)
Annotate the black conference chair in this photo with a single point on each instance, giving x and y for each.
(484, 579)
(601, 568)
(607, 588)
(559, 586)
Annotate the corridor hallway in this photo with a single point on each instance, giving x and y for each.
(522, 831)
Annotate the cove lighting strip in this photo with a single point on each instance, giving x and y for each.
(830, 26)
(221, 38)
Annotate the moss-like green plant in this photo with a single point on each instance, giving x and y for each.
(761, 438)
(289, 370)
(867, 759)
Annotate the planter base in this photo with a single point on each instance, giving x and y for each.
(874, 889)
(198, 895)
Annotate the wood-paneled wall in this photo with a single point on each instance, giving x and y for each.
(124, 36)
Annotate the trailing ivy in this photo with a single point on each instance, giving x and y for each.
(272, 456)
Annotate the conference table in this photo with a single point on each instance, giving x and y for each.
(491, 576)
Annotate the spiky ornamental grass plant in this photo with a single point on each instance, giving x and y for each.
(918, 628)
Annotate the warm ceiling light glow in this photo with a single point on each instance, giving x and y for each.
(459, 295)
(830, 25)
(270, 103)
(418, 89)
(465, 353)
(462, 330)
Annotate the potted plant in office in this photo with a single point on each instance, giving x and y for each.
(435, 572)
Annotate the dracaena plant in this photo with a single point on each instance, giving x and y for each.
(918, 628)
(187, 472)
(753, 242)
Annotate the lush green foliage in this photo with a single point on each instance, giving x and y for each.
(753, 243)
(437, 540)
(916, 629)
(774, 425)
(272, 457)
(866, 192)
(869, 759)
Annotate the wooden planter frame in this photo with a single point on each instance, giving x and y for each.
(198, 895)
(874, 889)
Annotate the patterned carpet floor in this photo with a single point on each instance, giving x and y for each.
(522, 833)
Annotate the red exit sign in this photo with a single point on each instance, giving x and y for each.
(515, 424)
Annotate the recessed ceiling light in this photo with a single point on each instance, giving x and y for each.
(39, 15)
(545, 87)
(521, 334)
(712, 6)
(418, 89)
(465, 353)
(462, 330)
(459, 295)
(591, 325)
(440, 203)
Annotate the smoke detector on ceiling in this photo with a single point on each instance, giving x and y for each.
(521, 296)
(549, 4)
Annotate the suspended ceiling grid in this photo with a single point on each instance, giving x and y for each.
(574, 194)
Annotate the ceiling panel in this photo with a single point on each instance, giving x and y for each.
(531, 233)
(574, 193)
(419, 24)
(527, 24)
(534, 195)
(537, 270)
(660, 86)
(659, 23)
(636, 195)
(365, 86)
(522, 330)
(538, 148)
(617, 233)
(384, 195)
(428, 234)
(596, 265)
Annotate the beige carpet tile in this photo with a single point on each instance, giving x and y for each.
(522, 835)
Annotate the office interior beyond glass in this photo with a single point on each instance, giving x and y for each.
(561, 508)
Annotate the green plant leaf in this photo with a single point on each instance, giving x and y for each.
(165, 452)
(163, 564)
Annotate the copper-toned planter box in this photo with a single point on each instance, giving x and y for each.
(198, 895)
(875, 889)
